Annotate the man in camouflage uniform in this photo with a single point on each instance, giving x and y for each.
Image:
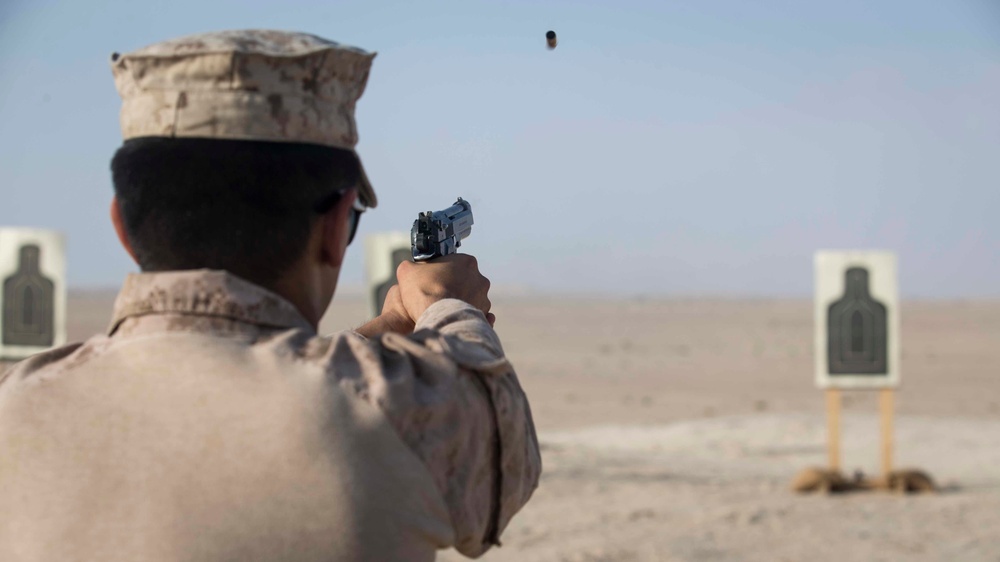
(212, 422)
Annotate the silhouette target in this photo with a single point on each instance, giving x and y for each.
(857, 337)
(28, 303)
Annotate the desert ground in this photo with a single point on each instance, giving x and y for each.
(671, 429)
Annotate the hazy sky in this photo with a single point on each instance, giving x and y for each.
(684, 148)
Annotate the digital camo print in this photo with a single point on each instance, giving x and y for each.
(209, 293)
(236, 356)
(250, 85)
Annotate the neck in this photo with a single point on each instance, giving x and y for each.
(307, 292)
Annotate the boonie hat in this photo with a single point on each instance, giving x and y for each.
(250, 85)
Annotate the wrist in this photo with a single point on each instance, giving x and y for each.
(388, 321)
(395, 321)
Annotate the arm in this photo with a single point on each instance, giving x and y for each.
(455, 399)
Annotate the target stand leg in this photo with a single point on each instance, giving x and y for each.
(833, 428)
(885, 408)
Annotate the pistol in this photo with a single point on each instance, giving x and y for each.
(439, 233)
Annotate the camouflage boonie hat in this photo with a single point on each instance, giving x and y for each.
(251, 85)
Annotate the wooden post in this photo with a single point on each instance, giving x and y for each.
(833, 427)
(885, 408)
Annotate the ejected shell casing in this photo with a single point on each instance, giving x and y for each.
(550, 39)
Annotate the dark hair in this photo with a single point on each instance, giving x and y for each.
(243, 206)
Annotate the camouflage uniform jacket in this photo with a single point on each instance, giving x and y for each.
(212, 423)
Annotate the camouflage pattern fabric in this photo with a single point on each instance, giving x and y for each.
(213, 423)
(249, 85)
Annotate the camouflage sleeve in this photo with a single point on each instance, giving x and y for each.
(454, 399)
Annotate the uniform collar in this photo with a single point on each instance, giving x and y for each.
(203, 292)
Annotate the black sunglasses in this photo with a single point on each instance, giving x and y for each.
(327, 203)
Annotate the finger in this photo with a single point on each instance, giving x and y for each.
(403, 269)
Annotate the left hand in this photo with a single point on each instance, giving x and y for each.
(394, 312)
(392, 319)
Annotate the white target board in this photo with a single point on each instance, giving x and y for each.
(32, 291)
(856, 320)
(384, 251)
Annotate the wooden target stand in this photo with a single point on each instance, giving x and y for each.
(885, 403)
(832, 480)
(857, 348)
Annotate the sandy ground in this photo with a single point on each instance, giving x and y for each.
(670, 430)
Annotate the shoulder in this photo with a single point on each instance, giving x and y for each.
(53, 360)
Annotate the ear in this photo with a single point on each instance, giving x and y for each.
(336, 230)
(119, 224)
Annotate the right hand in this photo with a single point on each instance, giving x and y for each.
(455, 276)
